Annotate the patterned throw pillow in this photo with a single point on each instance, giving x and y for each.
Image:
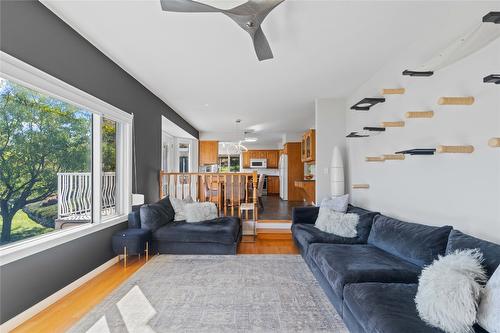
(179, 207)
(339, 204)
(200, 211)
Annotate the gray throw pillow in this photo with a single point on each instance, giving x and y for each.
(339, 204)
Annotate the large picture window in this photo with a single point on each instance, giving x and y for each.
(62, 165)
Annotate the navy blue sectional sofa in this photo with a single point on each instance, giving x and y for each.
(372, 279)
(217, 236)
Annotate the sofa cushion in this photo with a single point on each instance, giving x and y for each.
(491, 251)
(154, 216)
(417, 243)
(224, 230)
(386, 307)
(134, 220)
(342, 264)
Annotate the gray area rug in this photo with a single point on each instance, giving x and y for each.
(245, 293)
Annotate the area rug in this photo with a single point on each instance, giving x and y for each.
(245, 293)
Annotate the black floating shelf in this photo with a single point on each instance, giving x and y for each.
(418, 151)
(493, 78)
(493, 17)
(416, 73)
(374, 129)
(356, 135)
(366, 103)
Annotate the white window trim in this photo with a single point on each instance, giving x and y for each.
(18, 71)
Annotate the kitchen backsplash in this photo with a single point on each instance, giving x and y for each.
(269, 172)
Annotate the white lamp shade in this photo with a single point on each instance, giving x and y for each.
(137, 199)
(337, 187)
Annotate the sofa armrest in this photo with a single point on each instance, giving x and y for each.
(306, 215)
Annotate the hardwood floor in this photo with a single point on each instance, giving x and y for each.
(61, 315)
(277, 209)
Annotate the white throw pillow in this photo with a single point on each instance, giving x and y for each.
(200, 211)
(336, 223)
(488, 314)
(179, 207)
(449, 289)
(339, 204)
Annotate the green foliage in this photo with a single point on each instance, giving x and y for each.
(108, 133)
(39, 137)
(24, 227)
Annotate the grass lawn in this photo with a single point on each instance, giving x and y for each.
(24, 227)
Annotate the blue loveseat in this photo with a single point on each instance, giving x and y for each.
(372, 279)
(217, 236)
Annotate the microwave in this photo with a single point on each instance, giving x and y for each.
(258, 163)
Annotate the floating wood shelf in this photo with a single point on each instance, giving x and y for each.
(493, 78)
(494, 142)
(393, 91)
(419, 114)
(360, 186)
(375, 159)
(455, 149)
(393, 124)
(469, 100)
(394, 157)
(418, 151)
(366, 103)
(417, 73)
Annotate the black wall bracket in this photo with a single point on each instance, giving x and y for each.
(416, 73)
(418, 151)
(493, 78)
(357, 135)
(366, 103)
(493, 17)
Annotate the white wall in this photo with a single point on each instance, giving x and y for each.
(461, 190)
(330, 132)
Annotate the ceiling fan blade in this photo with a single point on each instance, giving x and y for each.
(186, 6)
(259, 7)
(262, 48)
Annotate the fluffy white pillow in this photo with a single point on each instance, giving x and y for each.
(488, 314)
(179, 206)
(338, 204)
(449, 289)
(336, 223)
(200, 211)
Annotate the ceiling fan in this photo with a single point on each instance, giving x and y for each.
(249, 16)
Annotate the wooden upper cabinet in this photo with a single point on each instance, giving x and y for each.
(246, 159)
(209, 152)
(272, 159)
(308, 146)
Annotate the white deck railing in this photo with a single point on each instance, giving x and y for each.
(74, 195)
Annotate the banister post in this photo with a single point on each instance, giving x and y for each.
(255, 181)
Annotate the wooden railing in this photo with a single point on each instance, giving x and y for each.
(232, 193)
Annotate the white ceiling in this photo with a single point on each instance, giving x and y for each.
(204, 66)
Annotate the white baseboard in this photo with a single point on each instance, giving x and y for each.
(37, 308)
(277, 225)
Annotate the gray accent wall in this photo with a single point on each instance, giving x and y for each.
(32, 33)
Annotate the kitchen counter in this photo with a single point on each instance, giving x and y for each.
(308, 187)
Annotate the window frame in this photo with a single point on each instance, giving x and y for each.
(24, 74)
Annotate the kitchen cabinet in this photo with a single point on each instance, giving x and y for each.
(308, 146)
(272, 157)
(295, 170)
(273, 185)
(208, 152)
